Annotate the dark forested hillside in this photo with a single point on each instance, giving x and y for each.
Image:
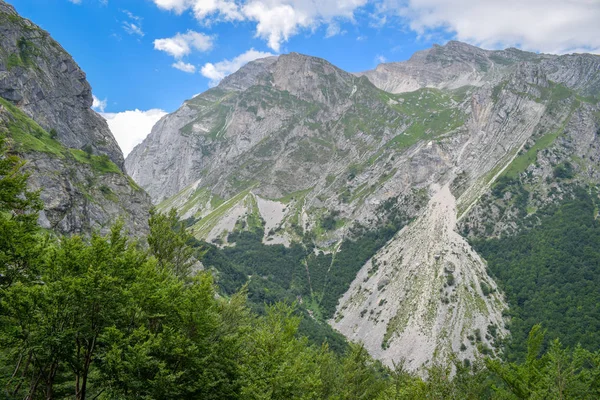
(315, 280)
(551, 274)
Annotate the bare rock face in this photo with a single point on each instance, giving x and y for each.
(292, 141)
(420, 299)
(458, 64)
(45, 112)
(444, 67)
(40, 77)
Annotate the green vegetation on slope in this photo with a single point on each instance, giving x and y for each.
(551, 274)
(529, 156)
(107, 319)
(274, 273)
(27, 136)
(297, 270)
(101, 163)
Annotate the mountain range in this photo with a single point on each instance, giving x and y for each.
(386, 182)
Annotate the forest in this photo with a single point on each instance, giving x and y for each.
(551, 274)
(110, 317)
(274, 272)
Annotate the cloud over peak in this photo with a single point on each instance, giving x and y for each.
(553, 26)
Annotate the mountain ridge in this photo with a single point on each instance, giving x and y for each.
(317, 154)
(73, 158)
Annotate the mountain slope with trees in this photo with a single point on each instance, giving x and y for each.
(104, 318)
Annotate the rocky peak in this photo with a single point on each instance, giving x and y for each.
(453, 51)
(43, 80)
(254, 73)
(451, 66)
(311, 78)
(303, 76)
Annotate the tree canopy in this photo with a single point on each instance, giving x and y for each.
(107, 317)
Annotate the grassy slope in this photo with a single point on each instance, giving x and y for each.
(28, 137)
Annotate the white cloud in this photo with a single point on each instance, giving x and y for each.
(134, 25)
(276, 20)
(133, 29)
(131, 127)
(178, 6)
(183, 44)
(98, 105)
(103, 2)
(132, 15)
(552, 26)
(380, 59)
(185, 67)
(226, 10)
(333, 29)
(216, 72)
(275, 24)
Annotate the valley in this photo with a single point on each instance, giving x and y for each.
(424, 229)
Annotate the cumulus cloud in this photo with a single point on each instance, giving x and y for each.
(178, 6)
(552, 26)
(98, 105)
(379, 59)
(131, 127)
(183, 44)
(216, 72)
(276, 20)
(224, 10)
(185, 67)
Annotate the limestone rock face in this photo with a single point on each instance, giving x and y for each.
(39, 76)
(420, 298)
(292, 141)
(46, 114)
(458, 64)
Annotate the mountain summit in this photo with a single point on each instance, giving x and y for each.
(297, 149)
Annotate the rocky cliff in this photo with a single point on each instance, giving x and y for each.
(45, 112)
(305, 151)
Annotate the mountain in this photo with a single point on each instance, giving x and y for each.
(45, 111)
(389, 166)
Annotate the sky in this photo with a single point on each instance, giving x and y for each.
(143, 58)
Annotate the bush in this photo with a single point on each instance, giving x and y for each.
(88, 150)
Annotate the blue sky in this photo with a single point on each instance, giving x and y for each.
(145, 57)
(124, 68)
